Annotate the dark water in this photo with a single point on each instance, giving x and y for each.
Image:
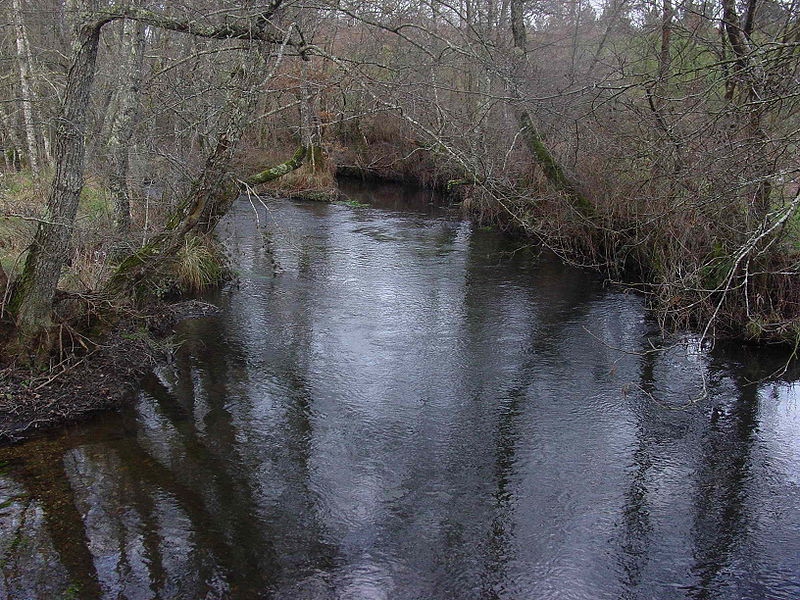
(397, 404)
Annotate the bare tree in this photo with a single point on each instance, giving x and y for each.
(124, 121)
(31, 301)
(26, 85)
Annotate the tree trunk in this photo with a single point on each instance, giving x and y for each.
(26, 86)
(668, 163)
(553, 171)
(310, 125)
(749, 74)
(16, 143)
(273, 173)
(212, 198)
(214, 191)
(123, 123)
(32, 299)
(518, 32)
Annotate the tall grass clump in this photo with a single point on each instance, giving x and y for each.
(198, 264)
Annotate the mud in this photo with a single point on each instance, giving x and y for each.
(102, 377)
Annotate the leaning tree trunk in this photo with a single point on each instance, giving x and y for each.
(32, 299)
(215, 190)
(209, 201)
(552, 169)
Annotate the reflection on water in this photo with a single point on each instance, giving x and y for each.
(393, 404)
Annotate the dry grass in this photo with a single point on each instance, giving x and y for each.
(22, 201)
(198, 264)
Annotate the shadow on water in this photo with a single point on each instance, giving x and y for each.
(394, 404)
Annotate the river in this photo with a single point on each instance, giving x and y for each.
(396, 403)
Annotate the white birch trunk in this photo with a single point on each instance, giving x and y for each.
(26, 86)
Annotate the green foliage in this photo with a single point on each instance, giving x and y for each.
(716, 266)
(18, 185)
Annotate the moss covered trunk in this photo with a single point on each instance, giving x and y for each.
(552, 169)
(210, 200)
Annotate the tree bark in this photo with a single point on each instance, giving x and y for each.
(518, 31)
(26, 86)
(273, 173)
(123, 123)
(255, 30)
(553, 171)
(32, 299)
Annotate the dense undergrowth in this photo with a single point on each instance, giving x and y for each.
(702, 260)
(697, 270)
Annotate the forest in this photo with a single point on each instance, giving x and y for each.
(656, 142)
(402, 299)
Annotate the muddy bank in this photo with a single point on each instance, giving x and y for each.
(103, 378)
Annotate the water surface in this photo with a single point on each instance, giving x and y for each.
(395, 403)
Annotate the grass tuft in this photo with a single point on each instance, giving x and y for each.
(198, 264)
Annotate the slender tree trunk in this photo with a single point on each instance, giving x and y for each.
(665, 54)
(31, 302)
(47, 154)
(670, 163)
(553, 171)
(11, 131)
(518, 31)
(123, 123)
(26, 86)
(748, 74)
(310, 126)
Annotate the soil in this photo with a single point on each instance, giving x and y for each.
(103, 378)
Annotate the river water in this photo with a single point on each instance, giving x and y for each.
(395, 403)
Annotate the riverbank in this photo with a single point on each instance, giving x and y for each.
(700, 270)
(103, 377)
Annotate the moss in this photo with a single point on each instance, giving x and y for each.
(71, 592)
(280, 170)
(353, 203)
(552, 169)
(329, 195)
